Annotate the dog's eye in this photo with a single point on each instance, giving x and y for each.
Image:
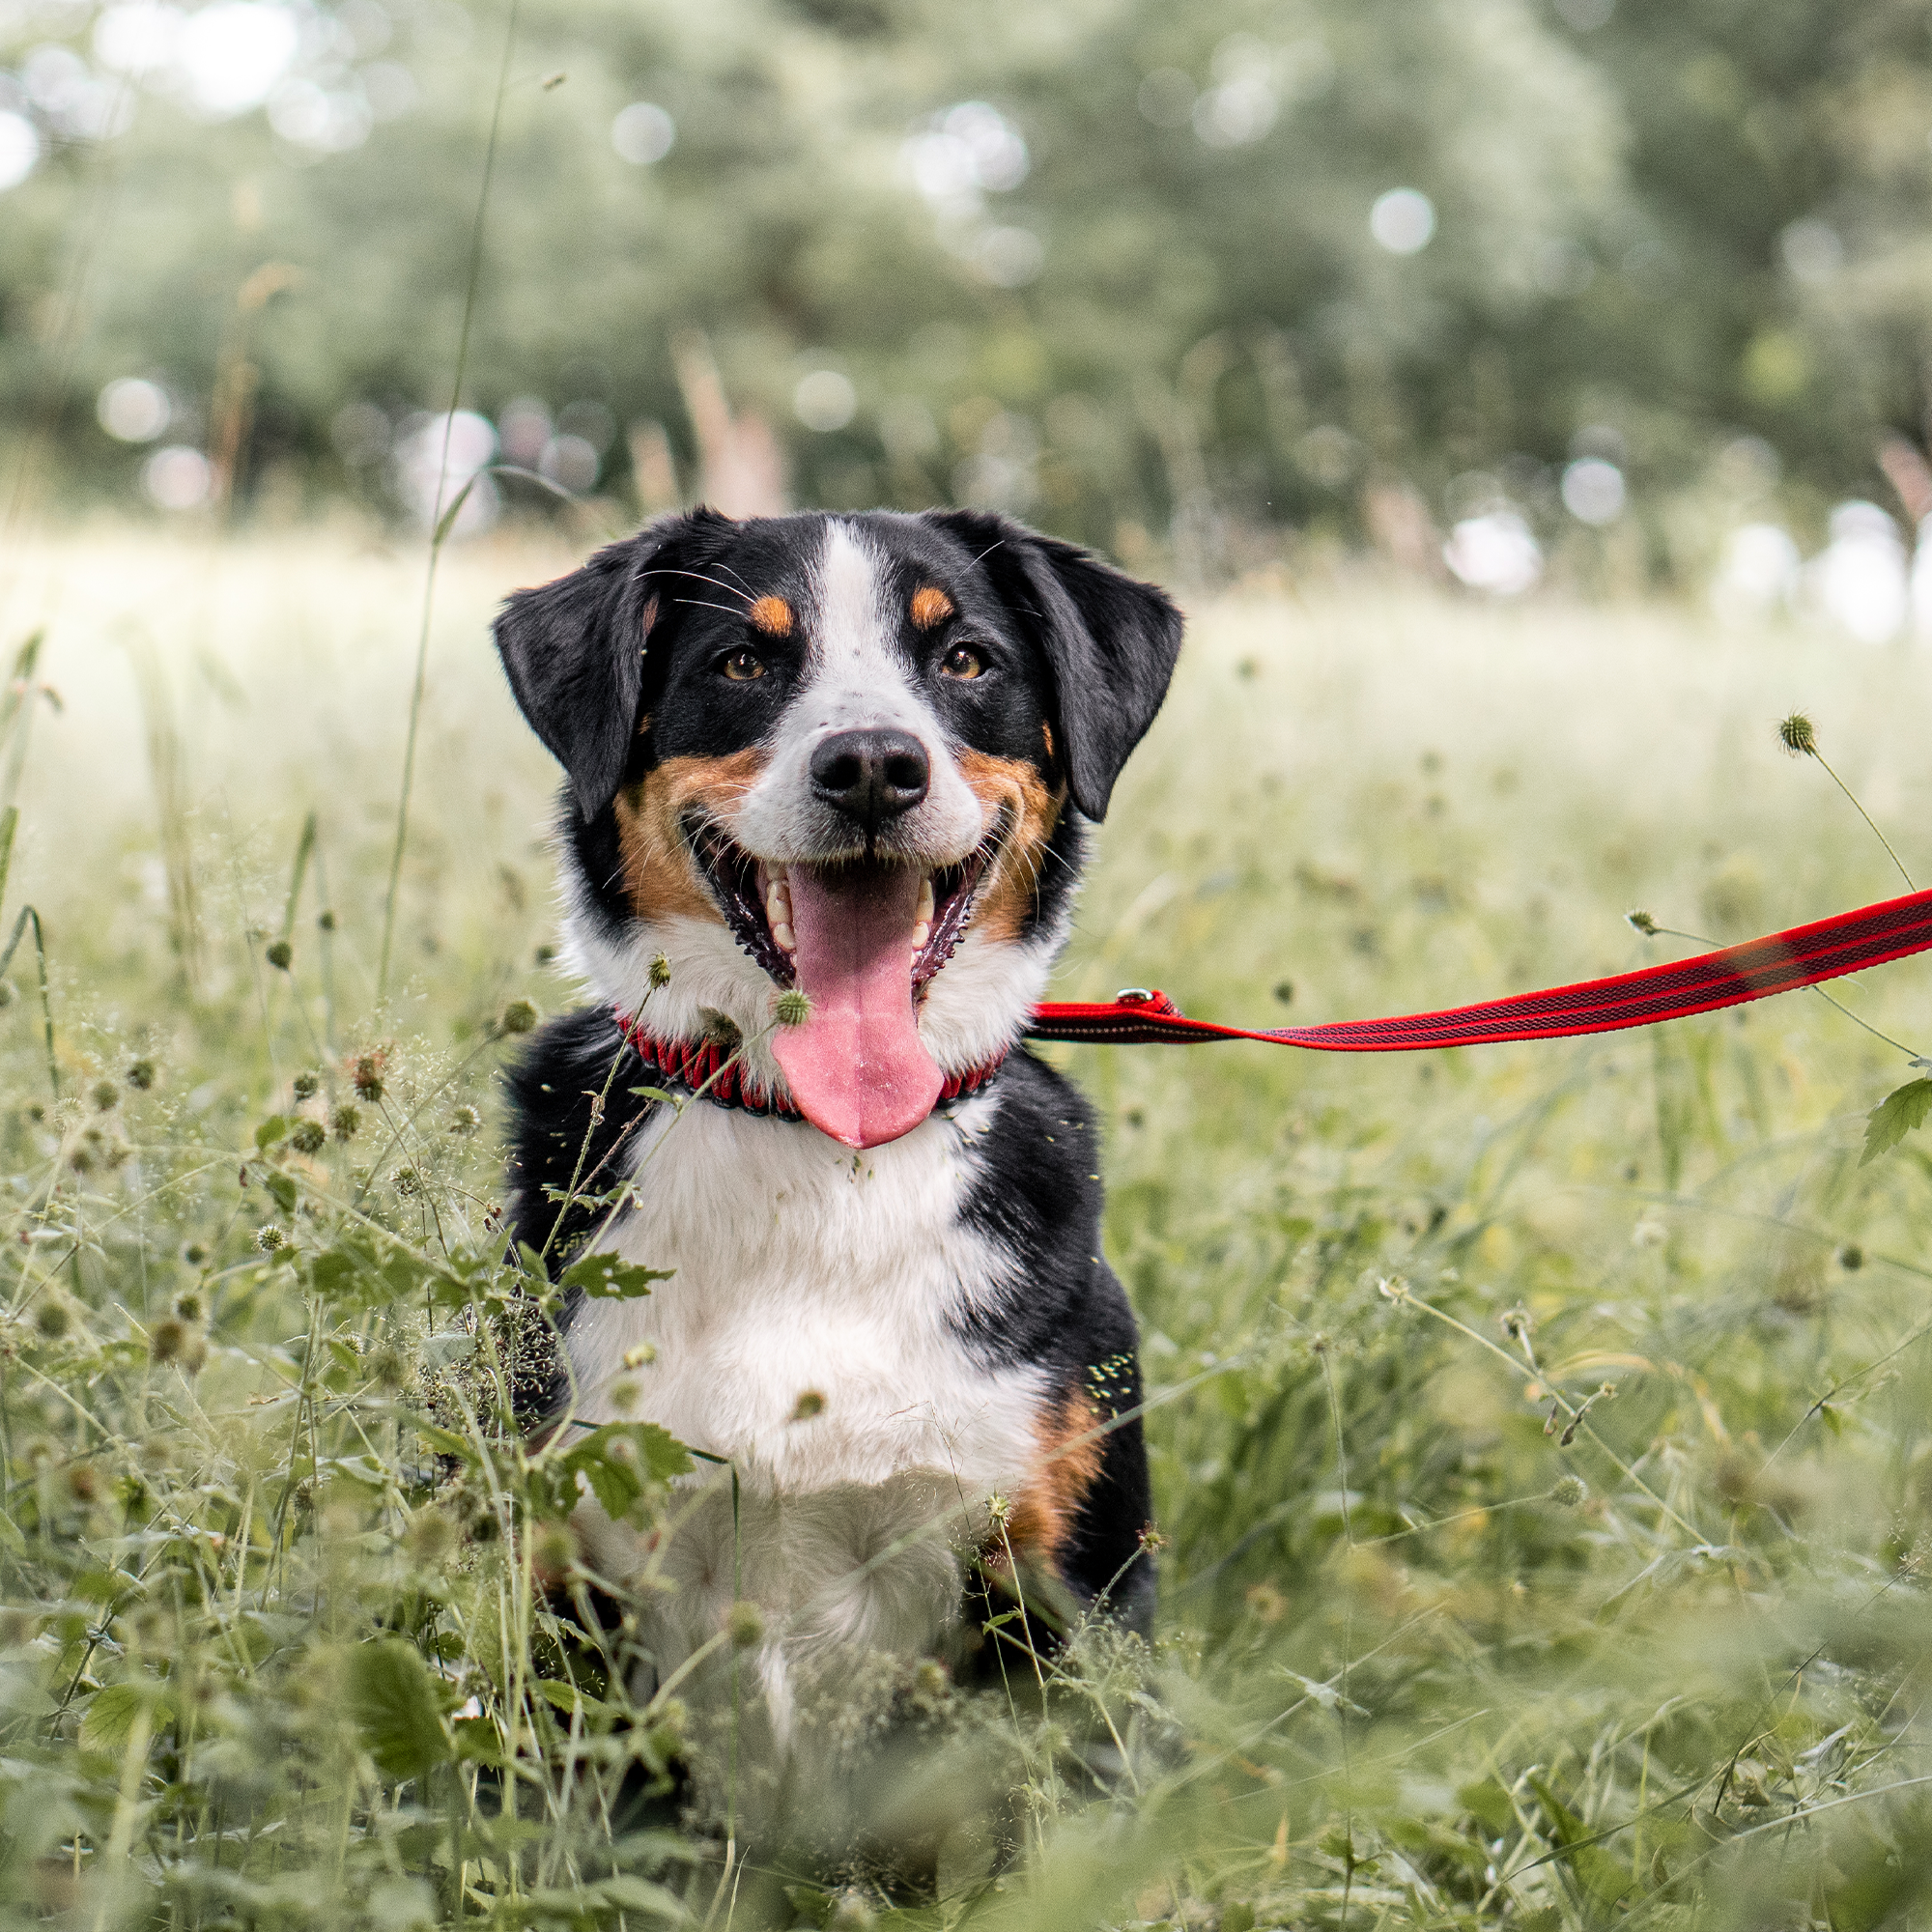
(742, 667)
(962, 662)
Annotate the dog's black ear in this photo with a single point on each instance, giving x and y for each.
(574, 652)
(1110, 643)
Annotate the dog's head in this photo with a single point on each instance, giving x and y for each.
(847, 754)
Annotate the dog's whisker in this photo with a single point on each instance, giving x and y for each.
(702, 604)
(730, 590)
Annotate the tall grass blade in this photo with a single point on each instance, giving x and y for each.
(442, 521)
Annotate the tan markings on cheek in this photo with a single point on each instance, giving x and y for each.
(772, 615)
(1046, 738)
(1047, 1506)
(929, 607)
(1011, 789)
(660, 876)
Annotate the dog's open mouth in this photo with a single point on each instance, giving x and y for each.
(861, 939)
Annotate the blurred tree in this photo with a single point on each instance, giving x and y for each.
(1124, 267)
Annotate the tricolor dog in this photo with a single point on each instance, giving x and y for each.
(852, 758)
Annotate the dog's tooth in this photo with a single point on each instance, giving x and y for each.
(921, 933)
(788, 940)
(925, 902)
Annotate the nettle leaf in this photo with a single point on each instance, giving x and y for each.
(275, 1128)
(1894, 1117)
(606, 1278)
(620, 1461)
(398, 1707)
(110, 1716)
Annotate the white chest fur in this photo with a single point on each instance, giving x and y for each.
(805, 1272)
(802, 1272)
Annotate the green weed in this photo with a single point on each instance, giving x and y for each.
(1539, 1433)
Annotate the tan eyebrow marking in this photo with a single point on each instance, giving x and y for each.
(930, 607)
(772, 615)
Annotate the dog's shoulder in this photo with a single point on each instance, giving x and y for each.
(572, 1107)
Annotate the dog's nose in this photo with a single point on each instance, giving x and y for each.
(873, 776)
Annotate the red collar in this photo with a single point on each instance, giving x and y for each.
(706, 1067)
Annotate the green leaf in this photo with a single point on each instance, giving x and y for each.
(445, 1440)
(1894, 1117)
(275, 1128)
(568, 1698)
(606, 1278)
(1600, 1874)
(110, 1716)
(398, 1706)
(621, 1459)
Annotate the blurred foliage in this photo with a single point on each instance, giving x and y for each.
(1134, 294)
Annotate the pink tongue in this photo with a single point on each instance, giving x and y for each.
(857, 1068)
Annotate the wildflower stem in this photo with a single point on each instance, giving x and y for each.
(1868, 819)
(438, 524)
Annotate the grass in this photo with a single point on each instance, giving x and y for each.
(1540, 1434)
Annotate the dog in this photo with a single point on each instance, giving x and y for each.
(852, 757)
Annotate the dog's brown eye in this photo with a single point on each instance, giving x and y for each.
(962, 661)
(742, 667)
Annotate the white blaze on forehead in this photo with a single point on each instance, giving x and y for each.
(857, 678)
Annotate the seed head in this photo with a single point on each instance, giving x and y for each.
(325, 921)
(1796, 734)
(306, 1084)
(408, 1183)
(431, 1537)
(792, 1008)
(268, 1237)
(181, 1343)
(366, 1070)
(519, 1017)
(141, 1074)
(345, 1121)
(1851, 1257)
(1570, 1491)
(104, 1095)
(809, 1403)
(552, 1549)
(641, 1356)
(1643, 923)
(465, 1121)
(744, 1624)
(190, 1305)
(281, 954)
(307, 1136)
(1150, 1540)
(660, 969)
(52, 1317)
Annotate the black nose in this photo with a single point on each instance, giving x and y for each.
(874, 776)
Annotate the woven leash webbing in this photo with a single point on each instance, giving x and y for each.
(1847, 942)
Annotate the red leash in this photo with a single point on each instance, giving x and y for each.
(1848, 942)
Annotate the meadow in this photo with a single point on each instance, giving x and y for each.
(1540, 1432)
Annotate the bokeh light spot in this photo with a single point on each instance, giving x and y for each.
(1593, 491)
(1496, 553)
(642, 133)
(133, 410)
(177, 479)
(1403, 220)
(825, 399)
(19, 149)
